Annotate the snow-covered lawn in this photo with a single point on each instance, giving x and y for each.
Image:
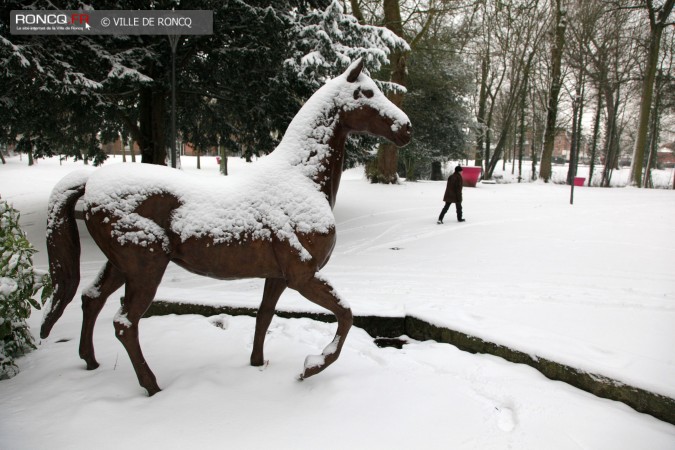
(589, 285)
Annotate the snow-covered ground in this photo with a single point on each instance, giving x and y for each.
(590, 285)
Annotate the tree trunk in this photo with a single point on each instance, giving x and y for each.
(656, 26)
(223, 159)
(123, 140)
(158, 128)
(512, 149)
(533, 143)
(87, 149)
(410, 169)
(554, 91)
(653, 148)
(596, 132)
(131, 149)
(152, 139)
(580, 126)
(611, 141)
(480, 118)
(522, 107)
(144, 137)
(577, 111)
(654, 133)
(356, 11)
(521, 135)
(488, 143)
(385, 165)
(31, 161)
(436, 171)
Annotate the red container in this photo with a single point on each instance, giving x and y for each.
(470, 175)
(579, 181)
(218, 159)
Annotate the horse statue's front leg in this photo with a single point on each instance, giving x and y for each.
(274, 287)
(140, 290)
(320, 291)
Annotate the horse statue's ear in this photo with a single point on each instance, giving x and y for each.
(355, 70)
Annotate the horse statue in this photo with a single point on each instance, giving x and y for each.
(274, 222)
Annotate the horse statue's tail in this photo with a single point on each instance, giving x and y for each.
(63, 246)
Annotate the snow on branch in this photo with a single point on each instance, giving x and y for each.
(15, 52)
(122, 72)
(328, 41)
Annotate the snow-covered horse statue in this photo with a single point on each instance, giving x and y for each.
(273, 222)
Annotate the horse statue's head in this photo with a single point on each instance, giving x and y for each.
(365, 109)
(349, 103)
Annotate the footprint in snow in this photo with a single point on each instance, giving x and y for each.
(506, 419)
(221, 322)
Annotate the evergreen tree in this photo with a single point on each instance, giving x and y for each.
(439, 84)
(243, 84)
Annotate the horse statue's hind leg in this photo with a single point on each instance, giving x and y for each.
(108, 281)
(141, 286)
(274, 287)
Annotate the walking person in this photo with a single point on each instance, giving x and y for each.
(453, 194)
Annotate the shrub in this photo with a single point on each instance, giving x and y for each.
(19, 282)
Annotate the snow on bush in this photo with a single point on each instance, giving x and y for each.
(19, 282)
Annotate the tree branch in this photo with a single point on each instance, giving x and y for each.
(204, 94)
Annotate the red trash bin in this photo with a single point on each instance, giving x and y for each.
(579, 181)
(470, 175)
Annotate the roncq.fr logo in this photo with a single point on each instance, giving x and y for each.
(51, 19)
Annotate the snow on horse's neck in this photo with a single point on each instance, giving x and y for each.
(315, 140)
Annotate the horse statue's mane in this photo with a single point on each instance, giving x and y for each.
(275, 222)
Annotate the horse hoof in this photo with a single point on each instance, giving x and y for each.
(92, 365)
(310, 372)
(313, 365)
(153, 391)
(257, 362)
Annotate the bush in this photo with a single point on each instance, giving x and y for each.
(19, 282)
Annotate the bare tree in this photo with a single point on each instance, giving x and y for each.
(594, 139)
(582, 25)
(658, 20)
(508, 38)
(610, 53)
(559, 28)
(662, 102)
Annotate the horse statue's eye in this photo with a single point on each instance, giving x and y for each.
(367, 93)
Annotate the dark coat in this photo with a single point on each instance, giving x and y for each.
(453, 191)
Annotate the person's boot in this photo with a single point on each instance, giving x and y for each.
(459, 219)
